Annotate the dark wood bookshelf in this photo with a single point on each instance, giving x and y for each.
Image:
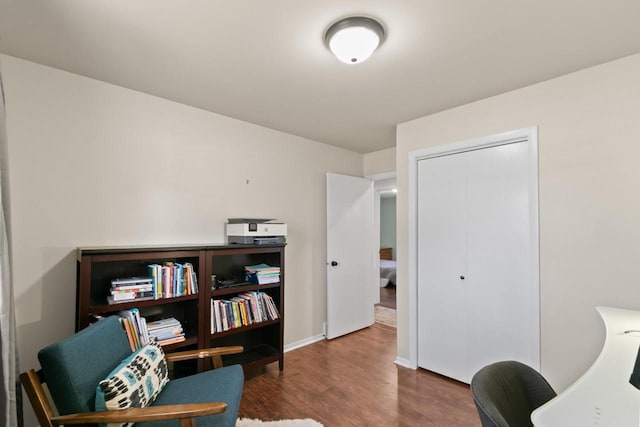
(189, 342)
(245, 287)
(263, 341)
(253, 357)
(98, 308)
(242, 329)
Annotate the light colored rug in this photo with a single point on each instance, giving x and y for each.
(386, 316)
(307, 422)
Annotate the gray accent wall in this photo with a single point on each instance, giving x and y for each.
(388, 223)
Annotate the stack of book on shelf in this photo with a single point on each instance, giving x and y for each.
(171, 280)
(166, 331)
(130, 288)
(242, 310)
(261, 274)
(136, 328)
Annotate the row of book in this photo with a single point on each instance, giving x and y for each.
(129, 289)
(168, 280)
(172, 279)
(140, 332)
(136, 328)
(261, 274)
(166, 331)
(242, 310)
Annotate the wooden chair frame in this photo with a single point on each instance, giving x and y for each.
(32, 382)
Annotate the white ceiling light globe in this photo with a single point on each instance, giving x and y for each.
(354, 45)
(352, 40)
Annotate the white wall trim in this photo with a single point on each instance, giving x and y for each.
(303, 343)
(405, 363)
(382, 176)
(510, 137)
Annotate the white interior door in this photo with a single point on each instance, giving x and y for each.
(498, 268)
(477, 301)
(350, 254)
(442, 219)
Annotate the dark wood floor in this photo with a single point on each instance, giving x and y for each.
(388, 297)
(352, 381)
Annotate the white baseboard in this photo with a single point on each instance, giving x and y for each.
(405, 363)
(303, 342)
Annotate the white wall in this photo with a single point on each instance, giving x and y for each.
(380, 162)
(589, 200)
(96, 164)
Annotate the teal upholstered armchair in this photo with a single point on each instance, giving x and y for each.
(75, 368)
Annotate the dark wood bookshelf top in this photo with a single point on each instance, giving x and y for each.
(242, 288)
(102, 250)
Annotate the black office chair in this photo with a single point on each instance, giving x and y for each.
(505, 394)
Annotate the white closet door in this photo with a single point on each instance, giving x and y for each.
(441, 262)
(498, 268)
(474, 278)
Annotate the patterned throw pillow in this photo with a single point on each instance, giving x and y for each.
(135, 383)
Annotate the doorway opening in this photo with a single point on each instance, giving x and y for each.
(388, 248)
(385, 237)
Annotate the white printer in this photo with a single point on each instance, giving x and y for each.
(255, 231)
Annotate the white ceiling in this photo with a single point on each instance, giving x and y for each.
(265, 62)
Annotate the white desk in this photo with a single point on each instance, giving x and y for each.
(603, 396)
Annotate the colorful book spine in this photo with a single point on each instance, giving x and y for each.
(243, 309)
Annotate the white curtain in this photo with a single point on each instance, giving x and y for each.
(9, 403)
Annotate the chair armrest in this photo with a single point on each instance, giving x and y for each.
(149, 413)
(214, 353)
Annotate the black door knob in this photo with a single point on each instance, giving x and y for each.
(334, 263)
(461, 277)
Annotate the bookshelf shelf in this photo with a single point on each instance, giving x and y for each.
(190, 341)
(108, 308)
(243, 288)
(263, 341)
(254, 356)
(243, 329)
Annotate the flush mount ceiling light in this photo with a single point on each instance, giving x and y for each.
(352, 40)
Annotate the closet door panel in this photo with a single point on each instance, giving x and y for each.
(476, 284)
(442, 316)
(498, 255)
